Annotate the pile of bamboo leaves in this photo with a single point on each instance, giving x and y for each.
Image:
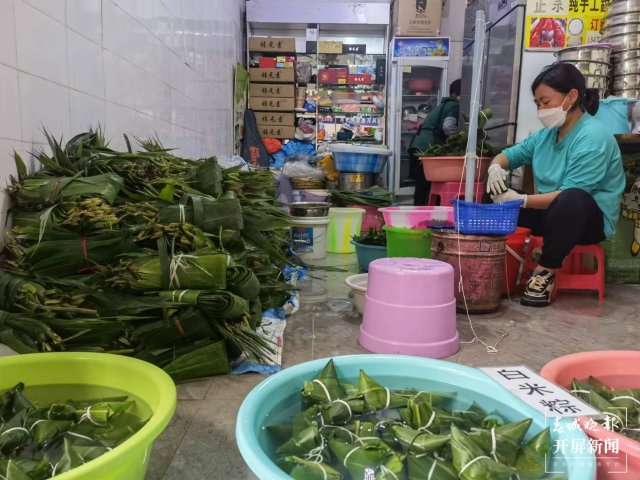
(141, 253)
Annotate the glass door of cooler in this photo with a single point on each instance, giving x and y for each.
(419, 87)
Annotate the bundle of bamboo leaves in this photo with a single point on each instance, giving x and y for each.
(142, 253)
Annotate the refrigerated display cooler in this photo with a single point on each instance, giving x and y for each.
(418, 83)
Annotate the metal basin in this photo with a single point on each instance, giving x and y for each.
(622, 19)
(627, 67)
(625, 55)
(590, 68)
(621, 29)
(355, 181)
(597, 81)
(594, 53)
(624, 6)
(309, 209)
(629, 93)
(624, 42)
(626, 82)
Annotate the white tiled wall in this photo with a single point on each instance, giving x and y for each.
(133, 66)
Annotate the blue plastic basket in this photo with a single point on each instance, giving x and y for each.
(486, 219)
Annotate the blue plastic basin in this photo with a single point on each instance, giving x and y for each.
(368, 253)
(275, 399)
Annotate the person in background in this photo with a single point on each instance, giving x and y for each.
(441, 122)
(578, 174)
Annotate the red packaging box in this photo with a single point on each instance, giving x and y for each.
(267, 62)
(359, 79)
(333, 76)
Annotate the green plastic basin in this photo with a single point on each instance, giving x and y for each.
(152, 388)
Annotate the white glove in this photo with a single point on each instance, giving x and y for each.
(496, 181)
(509, 196)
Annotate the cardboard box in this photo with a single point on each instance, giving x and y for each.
(333, 76)
(417, 18)
(272, 104)
(275, 118)
(272, 75)
(272, 44)
(267, 62)
(277, 131)
(362, 79)
(325, 46)
(280, 90)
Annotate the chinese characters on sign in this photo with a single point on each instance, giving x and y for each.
(554, 24)
(541, 394)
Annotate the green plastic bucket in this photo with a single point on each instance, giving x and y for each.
(408, 242)
(153, 390)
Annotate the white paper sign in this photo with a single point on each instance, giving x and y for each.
(539, 393)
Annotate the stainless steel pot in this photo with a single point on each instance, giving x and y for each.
(629, 93)
(621, 29)
(623, 42)
(627, 67)
(309, 209)
(622, 19)
(355, 181)
(590, 68)
(626, 82)
(625, 55)
(594, 53)
(597, 81)
(623, 6)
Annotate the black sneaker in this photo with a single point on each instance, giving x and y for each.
(539, 288)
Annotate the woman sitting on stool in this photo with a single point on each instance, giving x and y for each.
(577, 170)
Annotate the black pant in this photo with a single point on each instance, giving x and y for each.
(423, 186)
(573, 218)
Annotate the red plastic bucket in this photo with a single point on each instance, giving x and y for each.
(515, 252)
(370, 218)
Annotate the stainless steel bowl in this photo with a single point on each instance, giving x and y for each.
(590, 68)
(626, 82)
(627, 67)
(355, 181)
(625, 55)
(629, 93)
(622, 19)
(597, 81)
(589, 53)
(629, 41)
(621, 29)
(623, 6)
(309, 209)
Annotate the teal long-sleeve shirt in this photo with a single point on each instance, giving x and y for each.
(587, 158)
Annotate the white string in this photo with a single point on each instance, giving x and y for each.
(490, 348)
(493, 443)
(432, 470)
(385, 469)
(344, 462)
(53, 469)
(425, 428)
(14, 429)
(87, 416)
(352, 436)
(388, 397)
(625, 397)
(324, 472)
(587, 392)
(326, 392)
(348, 408)
(35, 423)
(79, 436)
(468, 464)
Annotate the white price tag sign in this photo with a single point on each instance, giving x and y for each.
(539, 393)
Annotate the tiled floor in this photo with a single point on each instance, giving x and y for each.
(200, 443)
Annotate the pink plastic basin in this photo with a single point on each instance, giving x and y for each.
(416, 217)
(411, 282)
(619, 369)
(452, 169)
(410, 308)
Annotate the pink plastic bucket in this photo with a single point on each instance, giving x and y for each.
(619, 369)
(370, 219)
(410, 308)
(416, 217)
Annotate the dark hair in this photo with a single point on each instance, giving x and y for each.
(564, 77)
(455, 87)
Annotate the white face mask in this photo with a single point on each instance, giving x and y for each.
(553, 117)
